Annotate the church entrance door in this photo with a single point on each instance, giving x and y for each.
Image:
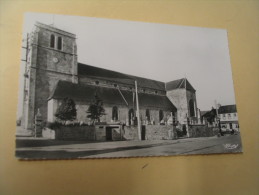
(143, 132)
(109, 133)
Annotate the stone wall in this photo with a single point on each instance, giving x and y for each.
(160, 132)
(100, 133)
(130, 133)
(75, 133)
(179, 99)
(123, 112)
(202, 131)
(87, 133)
(46, 66)
(48, 133)
(153, 132)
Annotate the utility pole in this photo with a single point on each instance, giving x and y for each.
(138, 115)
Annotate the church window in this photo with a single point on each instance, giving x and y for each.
(52, 41)
(115, 113)
(174, 118)
(131, 117)
(147, 115)
(191, 107)
(161, 115)
(59, 43)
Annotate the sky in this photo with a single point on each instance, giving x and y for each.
(160, 52)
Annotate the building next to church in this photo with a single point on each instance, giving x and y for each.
(228, 117)
(53, 73)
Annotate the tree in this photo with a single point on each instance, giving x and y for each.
(96, 110)
(67, 110)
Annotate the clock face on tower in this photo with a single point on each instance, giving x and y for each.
(55, 60)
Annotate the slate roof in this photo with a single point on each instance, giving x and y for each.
(204, 112)
(210, 114)
(108, 95)
(179, 84)
(227, 109)
(91, 71)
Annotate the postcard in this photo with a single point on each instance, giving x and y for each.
(103, 88)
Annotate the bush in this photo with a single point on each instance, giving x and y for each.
(56, 124)
(95, 110)
(67, 110)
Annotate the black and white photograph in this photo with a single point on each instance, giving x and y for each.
(104, 88)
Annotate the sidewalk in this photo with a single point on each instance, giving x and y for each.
(48, 144)
(35, 148)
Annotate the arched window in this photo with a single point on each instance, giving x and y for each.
(174, 118)
(59, 43)
(52, 41)
(131, 116)
(161, 115)
(191, 107)
(115, 113)
(147, 115)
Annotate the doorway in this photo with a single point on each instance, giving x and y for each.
(143, 132)
(109, 133)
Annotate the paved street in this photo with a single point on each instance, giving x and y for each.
(38, 148)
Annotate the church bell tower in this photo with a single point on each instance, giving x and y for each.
(181, 93)
(52, 56)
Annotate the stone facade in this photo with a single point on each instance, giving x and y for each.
(178, 97)
(152, 132)
(202, 131)
(123, 113)
(47, 65)
(182, 98)
(53, 59)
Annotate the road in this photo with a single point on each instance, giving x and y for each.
(33, 148)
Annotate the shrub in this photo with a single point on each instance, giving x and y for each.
(96, 110)
(67, 110)
(56, 125)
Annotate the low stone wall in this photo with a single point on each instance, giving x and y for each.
(116, 134)
(48, 133)
(202, 131)
(75, 133)
(88, 133)
(130, 133)
(152, 132)
(160, 132)
(100, 134)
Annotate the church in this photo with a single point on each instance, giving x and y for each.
(53, 73)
